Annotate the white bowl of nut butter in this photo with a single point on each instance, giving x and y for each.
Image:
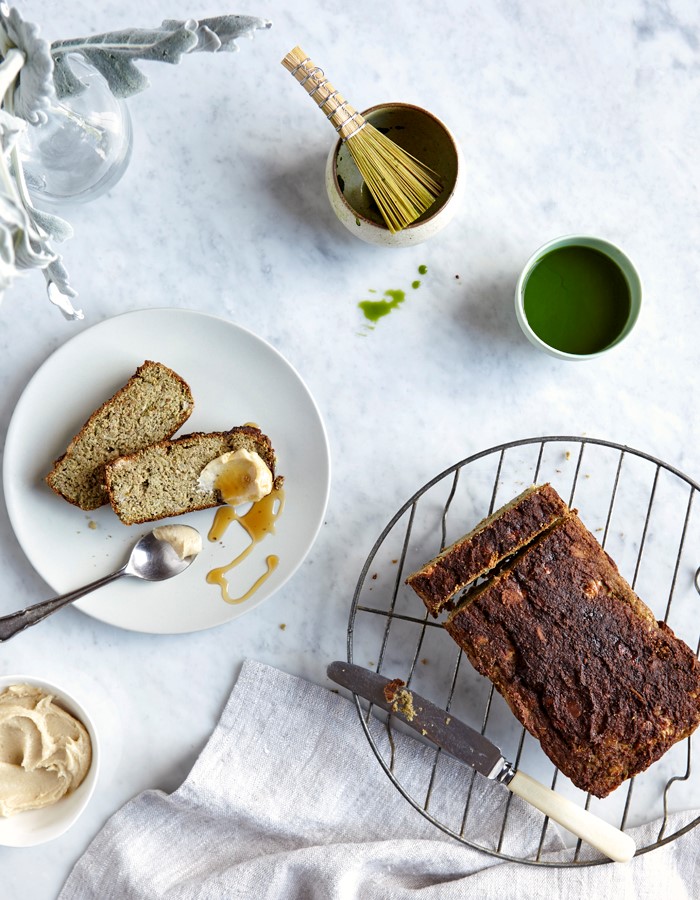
(49, 760)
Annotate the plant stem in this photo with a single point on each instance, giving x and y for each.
(9, 69)
(5, 42)
(18, 171)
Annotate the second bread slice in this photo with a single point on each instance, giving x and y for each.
(163, 480)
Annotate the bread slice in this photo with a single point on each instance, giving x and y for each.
(494, 539)
(580, 659)
(162, 480)
(151, 406)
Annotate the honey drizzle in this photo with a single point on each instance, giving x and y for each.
(218, 576)
(258, 522)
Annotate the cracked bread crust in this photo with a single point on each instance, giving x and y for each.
(494, 539)
(580, 659)
(162, 480)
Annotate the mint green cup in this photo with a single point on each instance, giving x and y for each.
(578, 297)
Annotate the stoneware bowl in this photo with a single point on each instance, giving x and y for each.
(624, 265)
(37, 826)
(425, 137)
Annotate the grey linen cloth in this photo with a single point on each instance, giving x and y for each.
(287, 800)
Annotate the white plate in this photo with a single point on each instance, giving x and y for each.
(236, 378)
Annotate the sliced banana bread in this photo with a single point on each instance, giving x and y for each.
(494, 539)
(151, 406)
(162, 480)
(580, 659)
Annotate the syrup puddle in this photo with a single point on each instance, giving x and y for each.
(258, 521)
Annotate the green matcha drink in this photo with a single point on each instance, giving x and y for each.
(577, 299)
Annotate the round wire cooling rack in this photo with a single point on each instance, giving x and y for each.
(641, 510)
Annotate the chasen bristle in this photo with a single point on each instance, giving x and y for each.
(402, 187)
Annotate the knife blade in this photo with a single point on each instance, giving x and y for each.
(475, 750)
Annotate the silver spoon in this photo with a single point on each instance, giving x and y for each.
(151, 559)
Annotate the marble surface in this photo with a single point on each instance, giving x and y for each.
(571, 118)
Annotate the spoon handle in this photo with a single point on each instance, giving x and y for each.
(15, 622)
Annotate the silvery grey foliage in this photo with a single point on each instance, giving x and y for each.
(34, 91)
(56, 228)
(32, 74)
(26, 232)
(113, 54)
(220, 32)
(59, 290)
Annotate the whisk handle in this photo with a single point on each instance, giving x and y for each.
(338, 111)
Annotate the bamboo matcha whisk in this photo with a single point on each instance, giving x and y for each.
(403, 188)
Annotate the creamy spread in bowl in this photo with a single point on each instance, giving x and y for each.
(45, 752)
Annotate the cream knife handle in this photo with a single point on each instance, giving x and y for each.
(594, 831)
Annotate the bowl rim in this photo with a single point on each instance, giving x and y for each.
(613, 252)
(419, 223)
(29, 830)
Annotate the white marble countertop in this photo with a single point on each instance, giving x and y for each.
(571, 118)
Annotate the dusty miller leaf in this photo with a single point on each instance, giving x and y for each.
(219, 33)
(114, 54)
(65, 81)
(55, 227)
(122, 76)
(29, 249)
(10, 128)
(35, 88)
(7, 243)
(21, 247)
(59, 290)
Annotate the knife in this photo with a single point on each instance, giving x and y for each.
(478, 752)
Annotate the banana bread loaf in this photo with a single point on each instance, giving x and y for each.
(162, 480)
(580, 659)
(494, 539)
(151, 406)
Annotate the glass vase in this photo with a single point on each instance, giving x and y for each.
(83, 148)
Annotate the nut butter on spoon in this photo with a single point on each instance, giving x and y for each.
(162, 553)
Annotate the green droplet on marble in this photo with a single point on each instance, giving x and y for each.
(375, 310)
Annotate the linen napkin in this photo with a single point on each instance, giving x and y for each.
(287, 800)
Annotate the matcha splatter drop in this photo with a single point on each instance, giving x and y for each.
(374, 310)
(377, 309)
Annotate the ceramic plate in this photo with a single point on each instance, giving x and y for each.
(236, 378)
